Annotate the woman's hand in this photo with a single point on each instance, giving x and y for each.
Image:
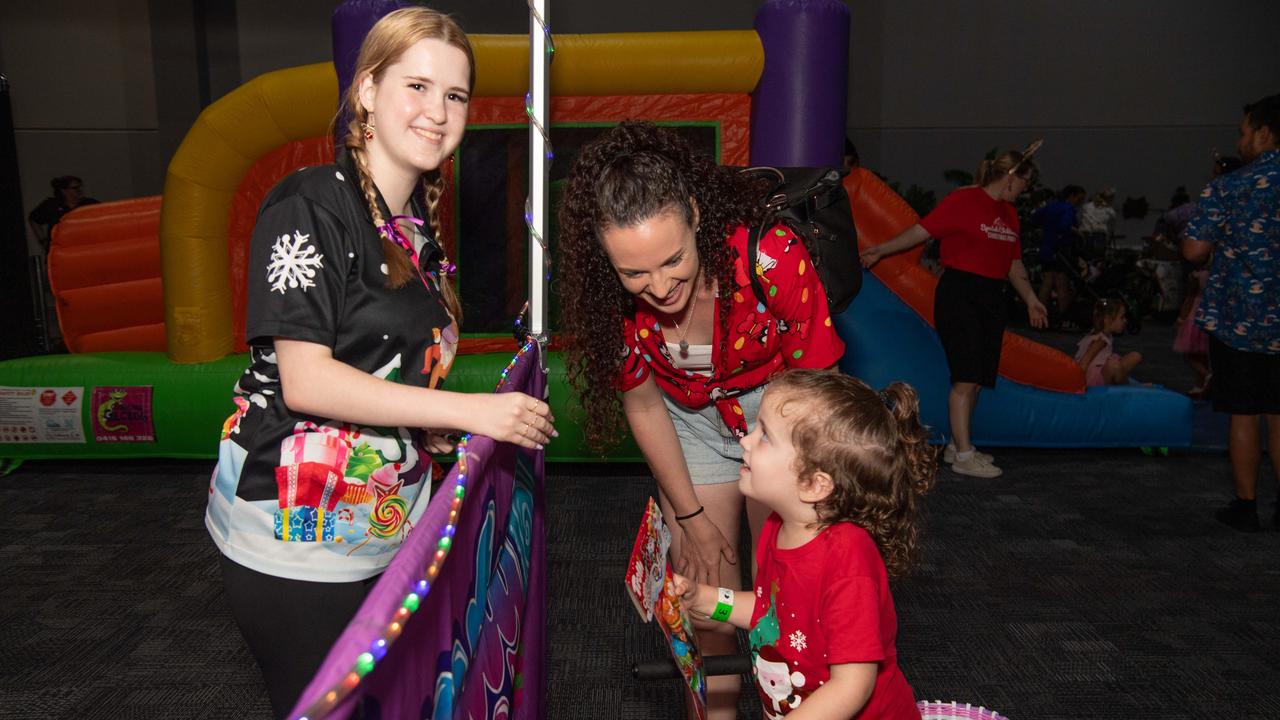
(701, 549)
(871, 255)
(904, 240)
(515, 418)
(1037, 313)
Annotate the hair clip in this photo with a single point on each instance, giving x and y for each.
(888, 401)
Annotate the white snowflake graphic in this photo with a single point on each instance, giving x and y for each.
(293, 263)
(798, 640)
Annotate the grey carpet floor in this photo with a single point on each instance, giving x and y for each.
(1079, 585)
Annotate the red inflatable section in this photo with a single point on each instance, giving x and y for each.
(104, 270)
(880, 214)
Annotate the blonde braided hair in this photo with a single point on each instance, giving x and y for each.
(389, 38)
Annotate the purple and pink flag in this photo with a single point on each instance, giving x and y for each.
(467, 641)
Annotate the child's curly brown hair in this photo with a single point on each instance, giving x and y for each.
(874, 448)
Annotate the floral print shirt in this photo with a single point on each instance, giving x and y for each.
(792, 329)
(1240, 214)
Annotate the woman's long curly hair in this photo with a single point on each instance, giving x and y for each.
(634, 172)
(871, 444)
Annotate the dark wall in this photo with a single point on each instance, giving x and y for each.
(1134, 95)
(17, 328)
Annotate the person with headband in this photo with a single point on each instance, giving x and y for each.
(979, 236)
(352, 324)
(661, 327)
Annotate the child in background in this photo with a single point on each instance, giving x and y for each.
(1098, 222)
(1191, 340)
(842, 469)
(1095, 354)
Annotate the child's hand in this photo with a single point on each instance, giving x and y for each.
(686, 588)
(688, 591)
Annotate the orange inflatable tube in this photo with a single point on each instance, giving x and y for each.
(104, 271)
(880, 214)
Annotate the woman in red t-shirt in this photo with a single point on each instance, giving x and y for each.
(977, 229)
(656, 305)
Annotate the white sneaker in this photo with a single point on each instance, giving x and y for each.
(949, 454)
(977, 466)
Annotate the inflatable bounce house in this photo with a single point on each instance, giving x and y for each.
(150, 292)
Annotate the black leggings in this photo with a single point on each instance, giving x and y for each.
(289, 625)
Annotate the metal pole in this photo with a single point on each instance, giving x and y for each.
(539, 166)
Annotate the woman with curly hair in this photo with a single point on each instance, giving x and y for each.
(843, 469)
(663, 328)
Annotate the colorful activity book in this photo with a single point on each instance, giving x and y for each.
(650, 586)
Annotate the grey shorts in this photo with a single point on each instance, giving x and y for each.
(710, 450)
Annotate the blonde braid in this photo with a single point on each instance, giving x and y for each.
(399, 268)
(434, 192)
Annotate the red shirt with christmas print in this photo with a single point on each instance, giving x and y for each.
(824, 603)
(976, 233)
(792, 329)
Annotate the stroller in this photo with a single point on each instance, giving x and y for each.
(1099, 273)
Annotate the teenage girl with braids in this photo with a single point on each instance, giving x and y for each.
(352, 325)
(978, 232)
(662, 327)
(842, 468)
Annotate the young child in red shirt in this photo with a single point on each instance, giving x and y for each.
(842, 468)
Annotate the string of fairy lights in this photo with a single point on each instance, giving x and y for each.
(366, 661)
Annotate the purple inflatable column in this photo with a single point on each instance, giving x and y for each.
(798, 108)
(351, 21)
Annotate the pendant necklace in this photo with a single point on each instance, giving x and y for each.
(684, 344)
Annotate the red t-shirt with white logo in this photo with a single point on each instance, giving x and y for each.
(976, 233)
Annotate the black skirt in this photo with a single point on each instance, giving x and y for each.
(969, 314)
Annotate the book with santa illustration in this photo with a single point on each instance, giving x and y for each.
(650, 587)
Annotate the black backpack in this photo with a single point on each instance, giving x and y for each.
(813, 203)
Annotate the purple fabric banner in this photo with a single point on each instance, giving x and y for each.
(475, 646)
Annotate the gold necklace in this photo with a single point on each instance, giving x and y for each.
(684, 344)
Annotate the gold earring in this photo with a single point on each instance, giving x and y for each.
(367, 128)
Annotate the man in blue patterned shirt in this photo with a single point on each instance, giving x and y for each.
(1237, 218)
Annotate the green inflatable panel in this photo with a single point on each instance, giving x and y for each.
(189, 403)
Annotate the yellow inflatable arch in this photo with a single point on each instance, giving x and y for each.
(299, 103)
